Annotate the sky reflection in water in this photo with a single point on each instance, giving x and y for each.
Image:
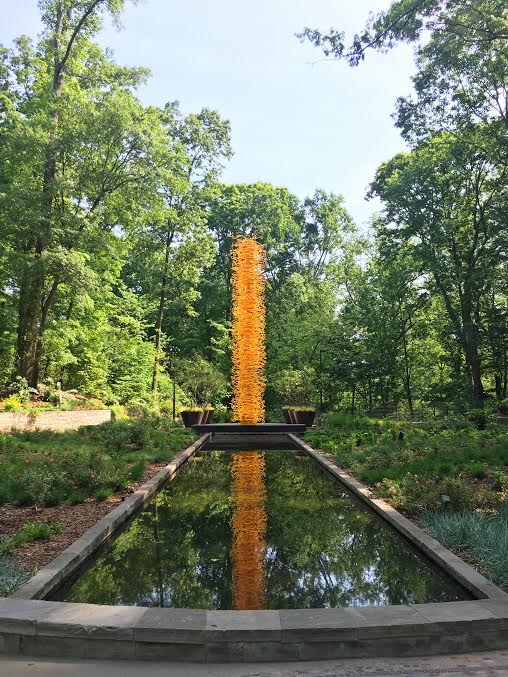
(259, 530)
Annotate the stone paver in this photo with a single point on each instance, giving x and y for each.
(490, 664)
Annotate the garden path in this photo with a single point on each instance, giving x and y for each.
(488, 663)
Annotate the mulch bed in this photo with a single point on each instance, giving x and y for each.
(74, 519)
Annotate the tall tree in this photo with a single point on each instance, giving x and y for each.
(73, 138)
(448, 202)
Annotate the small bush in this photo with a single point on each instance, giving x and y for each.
(31, 531)
(13, 403)
(137, 471)
(76, 497)
(103, 494)
(38, 481)
(119, 413)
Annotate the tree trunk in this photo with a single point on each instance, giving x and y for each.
(407, 373)
(31, 320)
(471, 348)
(30, 301)
(160, 313)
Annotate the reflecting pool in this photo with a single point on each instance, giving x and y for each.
(254, 530)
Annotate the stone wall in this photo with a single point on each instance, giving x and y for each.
(53, 420)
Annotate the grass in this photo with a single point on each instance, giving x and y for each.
(482, 538)
(11, 577)
(46, 468)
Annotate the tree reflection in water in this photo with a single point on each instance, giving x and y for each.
(248, 526)
(276, 531)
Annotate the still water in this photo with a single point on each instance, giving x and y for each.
(259, 530)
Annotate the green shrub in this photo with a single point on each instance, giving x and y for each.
(137, 471)
(90, 470)
(13, 403)
(117, 436)
(31, 531)
(103, 494)
(76, 497)
(38, 481)
(119, 413)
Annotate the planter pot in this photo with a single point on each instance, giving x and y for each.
(305, 417)
(287, 415)
(191, 418)
(208, 416)
(292, 416)
(503, 410)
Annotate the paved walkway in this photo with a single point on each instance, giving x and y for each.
(489, 663)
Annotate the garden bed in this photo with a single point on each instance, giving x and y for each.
(55, 486)
(447, 477)
(74, 520)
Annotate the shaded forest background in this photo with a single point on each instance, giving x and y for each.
(116, 230)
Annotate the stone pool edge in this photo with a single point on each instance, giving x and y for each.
(31, 626)
(70, 559)
(464, 573)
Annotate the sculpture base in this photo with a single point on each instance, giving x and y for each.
(257, 429)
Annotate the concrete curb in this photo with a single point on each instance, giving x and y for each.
(62, 629)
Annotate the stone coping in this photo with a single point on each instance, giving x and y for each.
(63, 629)
(33, 626)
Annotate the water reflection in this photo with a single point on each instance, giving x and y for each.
(257, 530)
(248, 526)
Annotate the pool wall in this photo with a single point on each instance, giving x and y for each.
(32, 626)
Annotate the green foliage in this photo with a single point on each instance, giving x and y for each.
(482, 537)
(415, 467)
(77, 497)
(296, 387)
(103, 494)
(137, 470)
(31, 531)
(20, 387)
(13, 403)
(48, 468)
(202, 381)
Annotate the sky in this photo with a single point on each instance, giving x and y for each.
(297, 119)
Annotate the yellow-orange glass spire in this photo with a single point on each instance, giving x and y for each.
(249, 528)
(248, 331)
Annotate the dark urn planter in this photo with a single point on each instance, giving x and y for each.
(287, 415)
(305, 417)
(292, 416)
(208, 416)
(191, 418)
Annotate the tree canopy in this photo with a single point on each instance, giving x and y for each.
(116, 228)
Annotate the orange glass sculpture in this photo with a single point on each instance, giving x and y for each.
(248, 370)
(249, 527)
